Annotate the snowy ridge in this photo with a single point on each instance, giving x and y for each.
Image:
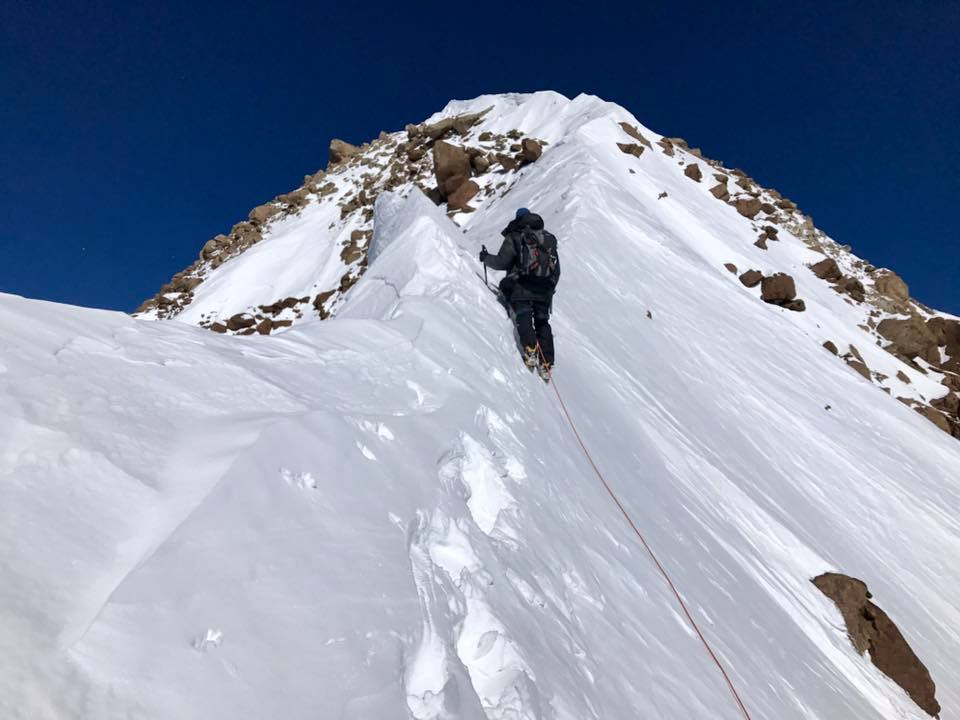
(383, 515)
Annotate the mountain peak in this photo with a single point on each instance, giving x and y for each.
(313, 477)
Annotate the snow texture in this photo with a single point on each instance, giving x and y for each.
(384, 515)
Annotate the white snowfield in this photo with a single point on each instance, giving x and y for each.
(384, 516)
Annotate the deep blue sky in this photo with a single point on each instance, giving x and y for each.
(130, 133)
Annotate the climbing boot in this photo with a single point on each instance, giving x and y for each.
(530, 357)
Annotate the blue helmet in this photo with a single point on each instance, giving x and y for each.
(520, 213)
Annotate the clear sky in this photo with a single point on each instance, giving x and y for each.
(130, 133)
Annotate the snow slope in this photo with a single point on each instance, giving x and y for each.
(383, 515)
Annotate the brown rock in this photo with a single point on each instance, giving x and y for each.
(319, 303)
(693, 172)
(859, 366)
(778, 289)
(831, 347)
(459, 124)
(852, 287)
(949, 403)
(265, 326)
(731, 267)
(451, 184)
(459, 199)
(796, 305)
(295, 200)
(351, 251)
(631, 149)
(508, 163)
(890, 284)
(903, 377)
(480, 163)
(761, 242)
(340, 151)
(240, 321)
(530, 150)
(871, 630)
(785, 204)
(635, 134)
(262, 213)
(662, 195)
(936, 417)
(748, 207)
(827, 270)
(720, 192)
(218, 327)
(751, 278)
(664, 143)
(214, 245)
(768, 208)
(911, 336)
(449, 161)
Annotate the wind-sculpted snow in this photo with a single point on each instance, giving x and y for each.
(383, 515)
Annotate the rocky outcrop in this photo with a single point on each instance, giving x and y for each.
(459, 125)
(459, 199)
(827, 269)
(635, 134)
(339, 151)
(240, 321)
(891, 292)
(720, 191)
(778, 289)
(748, 207)
(451, 167)
(530, 150)
(851, 286)
(262, 213)
(693, 172)
(911, 337)
(631, 149)
(751, 278)
(872, 631)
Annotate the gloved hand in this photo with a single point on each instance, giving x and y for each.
(483, 253)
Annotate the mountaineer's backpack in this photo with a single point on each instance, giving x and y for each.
(537, 257)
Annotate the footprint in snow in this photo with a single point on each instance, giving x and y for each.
(302, 480)
(367, 452)
(211, 639)
(378, 428)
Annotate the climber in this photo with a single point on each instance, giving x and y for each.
(530, 258)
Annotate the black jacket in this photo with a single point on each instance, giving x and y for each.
(513, 286)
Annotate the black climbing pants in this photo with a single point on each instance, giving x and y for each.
(533, 325)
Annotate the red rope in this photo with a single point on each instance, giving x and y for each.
(646, 545)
